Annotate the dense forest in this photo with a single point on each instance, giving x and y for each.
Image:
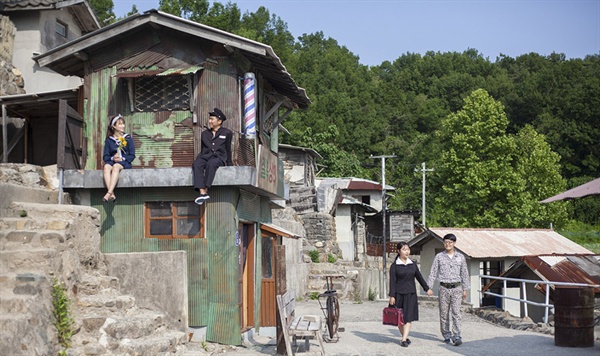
(499, 134)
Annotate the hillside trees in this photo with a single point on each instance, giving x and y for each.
(489, 178)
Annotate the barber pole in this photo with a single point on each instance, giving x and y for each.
(250, 105)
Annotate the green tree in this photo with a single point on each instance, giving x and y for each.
(104, 11)
(337, 162)
(193, 10)
(489, 178)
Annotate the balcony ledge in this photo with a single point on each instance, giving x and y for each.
(240, 176)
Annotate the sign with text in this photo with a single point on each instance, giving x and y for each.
(268, 173)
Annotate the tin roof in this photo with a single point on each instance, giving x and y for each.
(354, 183)
(581, 191)
(278, 230)
(569, 268)
(348, 200)
(80, 8)
(69, 59)
(500, 243)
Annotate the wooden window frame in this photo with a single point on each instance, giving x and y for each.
(174, 218)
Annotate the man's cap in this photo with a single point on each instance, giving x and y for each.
(218, 114)
(450, 237)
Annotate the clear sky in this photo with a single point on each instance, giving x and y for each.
(380, 30)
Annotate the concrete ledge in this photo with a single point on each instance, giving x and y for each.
(159, 177)
(157, 280)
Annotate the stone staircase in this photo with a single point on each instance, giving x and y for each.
(303, 199)
(43, 242)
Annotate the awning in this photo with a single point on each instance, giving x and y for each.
(277, 230)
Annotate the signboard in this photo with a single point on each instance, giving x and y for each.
(268, 174)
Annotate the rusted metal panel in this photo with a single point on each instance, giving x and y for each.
(160, 142)
(566, 268)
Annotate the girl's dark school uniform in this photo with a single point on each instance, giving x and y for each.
(110, 149)
(404, 290)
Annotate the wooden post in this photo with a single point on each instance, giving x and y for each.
(280, 289)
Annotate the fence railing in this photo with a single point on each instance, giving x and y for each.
(524, 282)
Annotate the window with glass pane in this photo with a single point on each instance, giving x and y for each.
(267, 258)
(168, 220)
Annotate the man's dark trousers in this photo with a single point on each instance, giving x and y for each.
(204, 171)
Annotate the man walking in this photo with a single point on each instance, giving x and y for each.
(450, 268)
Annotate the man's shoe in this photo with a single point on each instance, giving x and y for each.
(446, 341)
(457, 342)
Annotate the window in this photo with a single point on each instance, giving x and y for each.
(61, 28)
(174, 220)
(162, 93)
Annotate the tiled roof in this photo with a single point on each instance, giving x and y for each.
(27, 4)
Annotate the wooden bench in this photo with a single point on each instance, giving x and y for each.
(305, 326)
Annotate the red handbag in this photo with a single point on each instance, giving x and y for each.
(393, 316)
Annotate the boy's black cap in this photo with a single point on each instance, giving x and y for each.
(218, 113)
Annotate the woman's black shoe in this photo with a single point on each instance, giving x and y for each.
(408, 341)
(404, 344)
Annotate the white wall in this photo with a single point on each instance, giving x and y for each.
(34, 29)
(344, 234)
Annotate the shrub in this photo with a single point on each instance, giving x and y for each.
(314, 256)
(331, 258)
(63, 320)
(371, 294)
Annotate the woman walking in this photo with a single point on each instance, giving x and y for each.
(403, 291)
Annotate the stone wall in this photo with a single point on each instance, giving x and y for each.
(11, 80)
(320, 234)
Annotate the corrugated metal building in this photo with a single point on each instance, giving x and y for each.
(164, 74)
(490, 251)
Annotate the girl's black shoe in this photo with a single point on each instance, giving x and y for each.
(404, 344)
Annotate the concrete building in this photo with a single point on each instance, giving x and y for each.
(40, 27)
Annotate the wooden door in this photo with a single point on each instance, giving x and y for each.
(70, 153)
(247, 268)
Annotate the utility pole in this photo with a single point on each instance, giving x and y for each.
(424, 170)
(384, 229)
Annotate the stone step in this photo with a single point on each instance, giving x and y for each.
(166, 342)
(104, 303)
(141, 325)
(26, 223)
(29, 260)
(25, 239)
(49, 211)
(22, 283)
(94, 283)
(302, 190)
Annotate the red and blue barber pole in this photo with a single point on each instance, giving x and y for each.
(250, 105)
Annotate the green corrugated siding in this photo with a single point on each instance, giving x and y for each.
(213, 270)
(248, 206)
(223, 285)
